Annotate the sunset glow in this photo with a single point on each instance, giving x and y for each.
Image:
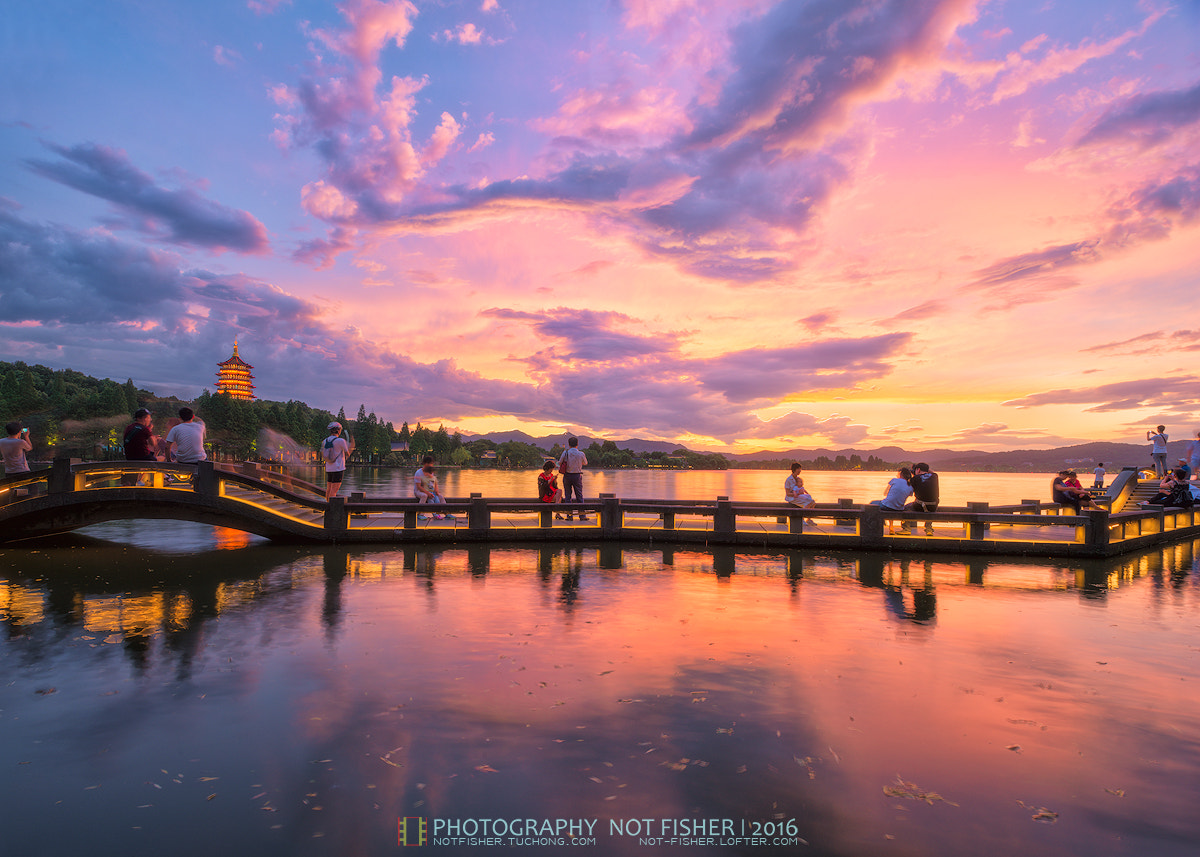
(735, 224)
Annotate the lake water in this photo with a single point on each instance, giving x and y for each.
(166, 688)
(738, 485)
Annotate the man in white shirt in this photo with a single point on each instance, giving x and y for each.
(186, 440)
(335, 450)
(571, 465)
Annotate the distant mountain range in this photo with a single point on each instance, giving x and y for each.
(1082, 457)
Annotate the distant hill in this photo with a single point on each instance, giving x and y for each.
(1082, 457)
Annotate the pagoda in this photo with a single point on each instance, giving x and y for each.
(234, 377)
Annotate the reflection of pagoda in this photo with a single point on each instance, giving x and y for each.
(235, 378)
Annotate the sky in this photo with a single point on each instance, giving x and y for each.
(732, 224)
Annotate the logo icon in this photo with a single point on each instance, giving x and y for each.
(412, 830)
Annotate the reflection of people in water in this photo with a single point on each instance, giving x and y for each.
(877, 572)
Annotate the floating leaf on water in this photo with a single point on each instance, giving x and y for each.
(1117, 792)
(596, 780)
(208, 779)
(1040, 813)
(741, 769)
(259, 795)
(911, 791)
(606, 672)
(46, 691)
(1016, 748)
(487, 769)
(210, 797)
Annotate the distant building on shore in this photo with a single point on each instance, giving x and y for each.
(234, 377)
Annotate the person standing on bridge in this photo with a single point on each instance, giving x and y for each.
(570, 465)
(185, 442)
(1158, 450)
(335, 450)
(14, 447)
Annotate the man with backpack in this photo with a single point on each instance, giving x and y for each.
(335, 450)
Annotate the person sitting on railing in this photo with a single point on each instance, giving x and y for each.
(1066, 490)
(140, 444)
(425, 486)
(548, 490)
(1173, 491)
(795, 492)
(898, 492)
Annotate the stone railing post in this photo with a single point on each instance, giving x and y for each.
(479, 516)
(336, 516)
(205, 483)
(724, 521)
(61, 480)
(870, 525)
(612, 520)
(1096, 532)
(977, 529)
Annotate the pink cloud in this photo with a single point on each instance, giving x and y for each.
(227, 57)
(1059, 62)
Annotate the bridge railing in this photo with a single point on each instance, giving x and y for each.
(284, 504)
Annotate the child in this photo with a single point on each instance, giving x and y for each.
(548, 490)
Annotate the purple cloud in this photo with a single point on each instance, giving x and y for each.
(178, 216)
(73, 298)
(1148, 118)
(1183, 391)
(739, 180)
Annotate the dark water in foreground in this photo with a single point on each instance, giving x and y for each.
(295, 701)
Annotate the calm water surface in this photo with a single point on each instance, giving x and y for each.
(176, 689)
(744, 485)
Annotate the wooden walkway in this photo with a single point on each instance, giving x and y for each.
(71, 495)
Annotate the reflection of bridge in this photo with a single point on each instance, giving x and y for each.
(268, 503)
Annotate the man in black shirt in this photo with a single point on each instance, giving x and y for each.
(926, 493)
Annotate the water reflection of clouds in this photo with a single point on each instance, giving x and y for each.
(573, 681)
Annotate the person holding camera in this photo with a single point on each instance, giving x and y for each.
(14, 447)
(1158, 452)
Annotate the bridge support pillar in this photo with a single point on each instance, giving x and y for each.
(206, 479)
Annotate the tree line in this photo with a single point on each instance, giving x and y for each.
(76, 415)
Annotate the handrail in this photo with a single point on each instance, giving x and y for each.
(281, 506)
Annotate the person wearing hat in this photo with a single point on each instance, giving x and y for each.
(335, 450)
